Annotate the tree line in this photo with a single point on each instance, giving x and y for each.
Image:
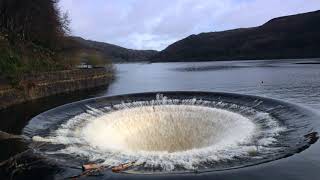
(32, 34)
(37, 21)
(34, 39)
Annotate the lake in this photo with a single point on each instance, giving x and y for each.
(286, 80)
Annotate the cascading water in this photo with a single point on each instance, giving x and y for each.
(167, 129)
(177, 131)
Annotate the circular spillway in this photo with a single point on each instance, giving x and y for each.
(173, 131)
(168, 129)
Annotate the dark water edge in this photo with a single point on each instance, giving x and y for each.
(15, 118)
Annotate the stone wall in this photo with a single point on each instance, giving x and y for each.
(50, 83)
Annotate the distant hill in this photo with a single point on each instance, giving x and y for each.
(113, 52)
(296, 36)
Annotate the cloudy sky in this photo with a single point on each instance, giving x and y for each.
(154, 24)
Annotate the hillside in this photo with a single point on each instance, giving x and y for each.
(37, 57)
(113, 52)
(295, 36)
(30, 41)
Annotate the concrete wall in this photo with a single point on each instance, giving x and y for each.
(46, 84)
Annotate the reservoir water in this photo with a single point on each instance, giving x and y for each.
(294, 81)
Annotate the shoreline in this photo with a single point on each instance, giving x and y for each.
(194, 60)
(46, 84)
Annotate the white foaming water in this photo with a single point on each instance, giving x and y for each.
(164, 134)
(167, 128)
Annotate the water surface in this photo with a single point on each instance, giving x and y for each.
(286, 80)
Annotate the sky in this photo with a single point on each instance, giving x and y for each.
(155, 24)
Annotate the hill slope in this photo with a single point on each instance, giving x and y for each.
(113, 52)
(296, 36)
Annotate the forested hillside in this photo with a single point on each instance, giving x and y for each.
(294, 36)
(34, 37)
(113, 52)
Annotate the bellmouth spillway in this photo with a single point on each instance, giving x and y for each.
(173, 131)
